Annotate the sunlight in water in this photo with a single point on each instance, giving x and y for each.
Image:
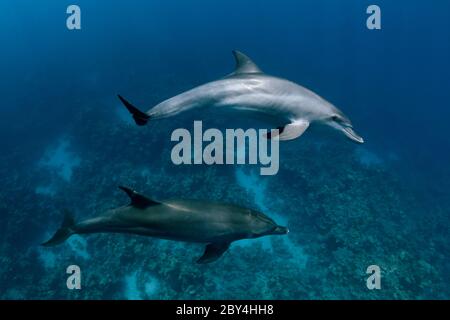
(78, 245)
(252, 183)
(61, 159)
(132, 286)
(46, 257)
(367, 157)
(46, 190)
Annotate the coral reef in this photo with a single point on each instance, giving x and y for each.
(346, 209)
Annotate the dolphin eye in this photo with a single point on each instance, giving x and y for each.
(334, 117)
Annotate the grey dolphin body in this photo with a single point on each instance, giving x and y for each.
(215, 224)
(287, 104)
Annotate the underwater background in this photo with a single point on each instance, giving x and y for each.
(67, 142)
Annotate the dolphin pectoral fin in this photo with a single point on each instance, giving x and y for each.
(272, 134)
(213, 251)
(290, 131)
(141, 118)
(138, 200)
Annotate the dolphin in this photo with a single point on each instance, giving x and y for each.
(286, 104)
(215, 224)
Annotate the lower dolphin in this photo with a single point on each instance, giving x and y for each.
(215, 224)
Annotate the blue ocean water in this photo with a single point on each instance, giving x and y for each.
(67, 142)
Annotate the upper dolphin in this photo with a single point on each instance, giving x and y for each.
(216, 224)
(286, 104)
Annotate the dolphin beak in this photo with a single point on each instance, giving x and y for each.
(281, 230)
(352, 135)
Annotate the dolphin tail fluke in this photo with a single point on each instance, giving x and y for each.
(64, 232)
(141, 118)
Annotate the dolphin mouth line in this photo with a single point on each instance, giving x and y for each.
(352, 135)
(281, 230)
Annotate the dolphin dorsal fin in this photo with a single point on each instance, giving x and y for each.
(244, 64)
(138, 200)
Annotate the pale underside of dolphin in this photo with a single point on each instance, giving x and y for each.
(215, 224)
(288, 105)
